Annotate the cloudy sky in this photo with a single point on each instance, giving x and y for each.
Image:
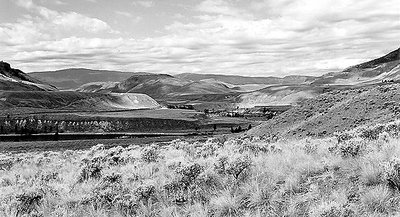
(242, 37)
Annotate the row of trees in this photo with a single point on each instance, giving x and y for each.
(34, 125)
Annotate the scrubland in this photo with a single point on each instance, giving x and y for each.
(351, 174)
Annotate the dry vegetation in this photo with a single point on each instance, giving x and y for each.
(352, 174)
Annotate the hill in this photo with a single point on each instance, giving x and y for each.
(377, 71)
(66, 100)
(386, 68)
(160, 86)
(15, 79)
(337, 111)
(242, 80)
(73, 78)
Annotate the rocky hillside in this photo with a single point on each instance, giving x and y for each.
(336, 111)
(16, 80)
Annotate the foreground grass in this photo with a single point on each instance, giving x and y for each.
(240, 177)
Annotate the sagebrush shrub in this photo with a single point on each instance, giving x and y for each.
(206, 150)
(27, 203)
(350, 148)
(310, 148)
(371, 133)
(150, 154)
(393, 129)
(343, 137)
(254, 147)
(391, 173)
(145, 193)
(112, 178)
(90, 169)
(6, 163)
(183, 188)
(238, 166)
(113, 156)
(189, 173)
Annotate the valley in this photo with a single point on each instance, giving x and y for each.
(136, 103)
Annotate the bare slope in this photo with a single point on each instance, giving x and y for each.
(242, 80)
(73, 78)
(337, 111)
(160, 86)
(15, 79)
(386, 68)
(75, 100)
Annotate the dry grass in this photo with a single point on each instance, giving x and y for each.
(240, 177)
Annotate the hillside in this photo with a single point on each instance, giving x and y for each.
(65, 100)
(337, 111)
(242, 80)
(73, 78)
(160, 86)
(377, 71)
(280, 95)
(385, 68)
(15, 79)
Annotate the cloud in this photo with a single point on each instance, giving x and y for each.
(256, 37)
(219, 7)
(144, 3)
(133, 19)
(44, 24)
(123, 13)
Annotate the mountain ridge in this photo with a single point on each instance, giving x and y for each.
(15, 79)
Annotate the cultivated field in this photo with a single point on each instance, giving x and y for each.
(352, 174)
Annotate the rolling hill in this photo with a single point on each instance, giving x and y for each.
(20, 90)
(69, 100)
(68, 79)
(377, 71)
(160, 86)
(15, 79)
(242, 80)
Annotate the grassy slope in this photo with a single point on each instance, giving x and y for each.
(337, 111)
(241, 177)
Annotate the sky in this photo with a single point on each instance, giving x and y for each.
(237, 37)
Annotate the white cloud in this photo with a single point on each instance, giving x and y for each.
(65, 20)
(220, 7)
(123, 13)
(221, 36)
(144, 3)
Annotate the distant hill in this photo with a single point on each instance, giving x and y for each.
(242, 80)
(68, 79)
(70, 100)
(15, 79)
(159, 86)
(377, 71)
